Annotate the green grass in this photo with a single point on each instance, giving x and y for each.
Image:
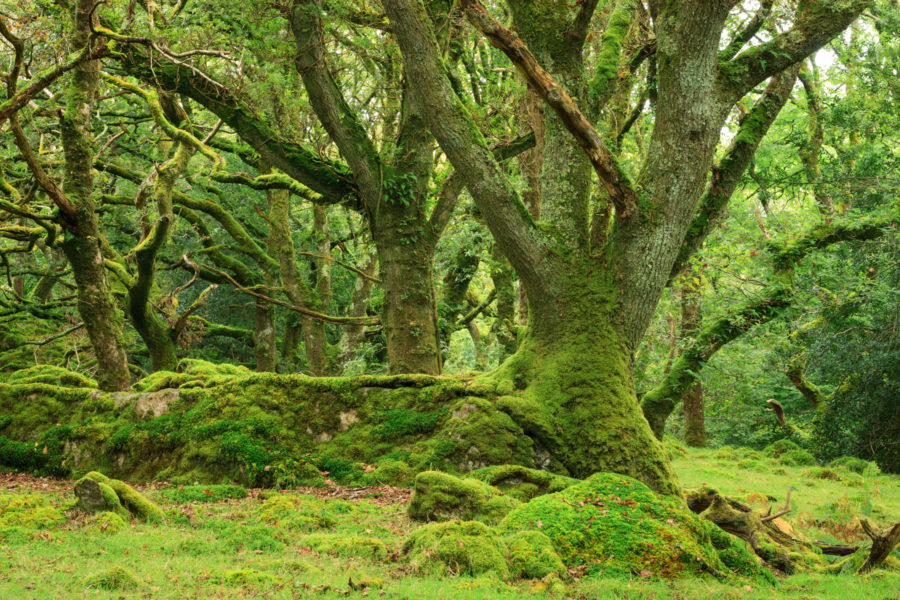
(234, 548)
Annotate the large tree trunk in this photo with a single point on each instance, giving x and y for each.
(405, 257)
(570, 386)
(265, 346)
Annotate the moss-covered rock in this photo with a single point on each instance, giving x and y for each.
(49, 374)
(822, 473)
(113, 579)
(346, 545)
(523, 483)
(457, 547)
(441, 497)
(97, 497)
(98, 493)
(617, 526)
(532, 556)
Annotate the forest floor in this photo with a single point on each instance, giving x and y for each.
(349, 542)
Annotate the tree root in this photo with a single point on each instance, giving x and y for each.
(883, 542)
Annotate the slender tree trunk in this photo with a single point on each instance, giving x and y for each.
(694, 424)
(265, 346)
(81, 244)
(353, 335)
(504, 325)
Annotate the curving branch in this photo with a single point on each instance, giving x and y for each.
(816, 24)
(750, 29)
(614, 180)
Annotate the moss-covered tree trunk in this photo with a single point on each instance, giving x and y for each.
(265, 347)
(405, 258)
(81, 244)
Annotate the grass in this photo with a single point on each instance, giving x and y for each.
(242, 548)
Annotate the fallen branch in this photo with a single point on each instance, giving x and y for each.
(883, 543)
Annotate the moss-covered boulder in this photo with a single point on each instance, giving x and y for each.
(98, 493)
(855, 465)
(457, 547)
(532, 556)
(522, 483)
(441, 497)
(616, 525)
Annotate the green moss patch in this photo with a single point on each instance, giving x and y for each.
(532, 556)
(27, 511)
(346, 545)
(441, 497)
(203, 493)
(457, 547)
(106, 522)
(301, 512)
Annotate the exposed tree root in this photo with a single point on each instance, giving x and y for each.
(883, 542)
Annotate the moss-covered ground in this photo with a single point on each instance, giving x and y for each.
(349, 542)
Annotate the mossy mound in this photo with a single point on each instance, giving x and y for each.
(246, 577)
(789, 453)
(113, 579)
(106, 522)
(457, 547)
(523, 483)
(51, 375)
(98, 493)
(532, 556)
(301, 512)
(203, 493)
(855, 465)
(346, 546)
(822, 473)
(392, 472)
(441, 497)
(617, 526)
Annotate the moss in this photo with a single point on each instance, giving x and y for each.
(113, 579)
(460, 547)
(203, 493)
(440, 497)
(482, 435)
(97, 496)
(300, 512)
(346, 546)
(532, 556)
(107, 522)
(617, 526)
(523, 483)
(27, 511)
(398, 422)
